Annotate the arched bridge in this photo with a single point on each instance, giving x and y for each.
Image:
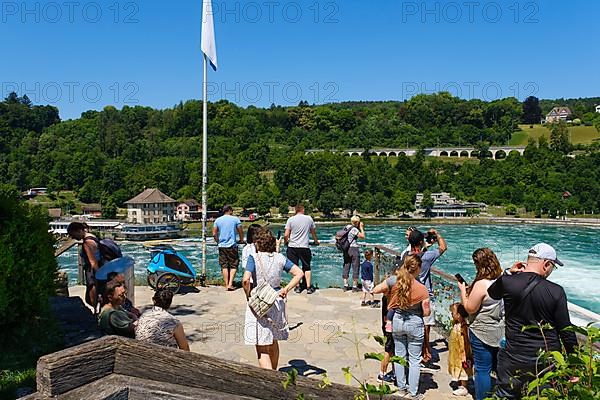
(496, 153)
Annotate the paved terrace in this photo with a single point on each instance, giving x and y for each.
(325, 327)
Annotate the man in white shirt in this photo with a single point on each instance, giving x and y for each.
(297, 229)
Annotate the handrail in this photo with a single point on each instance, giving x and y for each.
(578, 313)
(66, 245)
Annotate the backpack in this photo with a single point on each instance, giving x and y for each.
(341, 239)
(109, 250)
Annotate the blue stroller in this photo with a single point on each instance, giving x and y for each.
(168, 269)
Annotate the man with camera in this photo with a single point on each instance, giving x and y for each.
(418, 244)
(530, 300)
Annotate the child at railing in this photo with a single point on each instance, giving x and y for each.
(460, 357)
(366, 277)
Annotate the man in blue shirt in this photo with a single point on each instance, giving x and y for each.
(224, 231)
(416, 239)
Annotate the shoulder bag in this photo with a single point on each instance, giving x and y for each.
(263, 296)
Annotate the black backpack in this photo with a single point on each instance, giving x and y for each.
(109, 250)
(341, 239)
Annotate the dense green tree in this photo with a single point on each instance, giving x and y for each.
(559, 138)
(217, 196)
(427, 202)
(28, 267)
(257, 156)
(108, 206)
(532, 112)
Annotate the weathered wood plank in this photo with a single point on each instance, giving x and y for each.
(127, 387)
(201, 371)
(65, 370)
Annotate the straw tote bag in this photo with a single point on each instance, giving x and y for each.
(263, 296)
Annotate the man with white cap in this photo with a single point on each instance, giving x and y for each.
(530, 299)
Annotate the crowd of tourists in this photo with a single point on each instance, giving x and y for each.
(486, 342)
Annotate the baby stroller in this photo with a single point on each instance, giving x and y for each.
(168, 269)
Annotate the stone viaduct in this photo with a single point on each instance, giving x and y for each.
(497, 152)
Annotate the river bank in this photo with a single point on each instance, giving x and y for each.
(191, 230)
(462, 221)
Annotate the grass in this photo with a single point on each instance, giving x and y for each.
(19, 356)
(579, 134)
(10, 381)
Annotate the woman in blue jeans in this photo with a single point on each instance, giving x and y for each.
(410, 299)
(486, 321)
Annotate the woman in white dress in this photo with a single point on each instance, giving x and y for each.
(268, 265)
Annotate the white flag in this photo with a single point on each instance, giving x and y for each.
(209, 47)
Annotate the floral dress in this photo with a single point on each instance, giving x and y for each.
(273, 326)
(156, 326)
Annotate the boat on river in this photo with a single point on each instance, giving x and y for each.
(143, 232)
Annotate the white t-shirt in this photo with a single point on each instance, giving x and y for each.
(353, 236)
(300, 226)
(249, 250)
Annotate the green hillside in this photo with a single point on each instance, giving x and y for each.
(579, 134)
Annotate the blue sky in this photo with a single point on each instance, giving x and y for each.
(84, 55)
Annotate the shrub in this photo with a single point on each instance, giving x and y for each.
(27, 266)
(571, 376)
(511, 209)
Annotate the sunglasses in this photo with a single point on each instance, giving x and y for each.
(545, 260)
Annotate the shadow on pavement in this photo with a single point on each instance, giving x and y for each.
(303, 368)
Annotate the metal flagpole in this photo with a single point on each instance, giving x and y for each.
(204, 169)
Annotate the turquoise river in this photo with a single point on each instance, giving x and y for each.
(577, 247)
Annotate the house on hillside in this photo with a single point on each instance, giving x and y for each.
(189, 210)
(598, 108)
(92, 210)
(55, 213)
(151, 207)
(558, 114)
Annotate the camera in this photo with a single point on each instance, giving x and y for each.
(430, 237)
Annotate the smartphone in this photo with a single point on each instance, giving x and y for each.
(460, 278)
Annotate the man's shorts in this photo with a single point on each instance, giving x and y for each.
(229, 257)
(367, 286)
(430, 320)
(300, 254)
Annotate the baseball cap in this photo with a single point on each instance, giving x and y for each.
(545, 251)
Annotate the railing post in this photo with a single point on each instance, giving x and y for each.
(377, 262)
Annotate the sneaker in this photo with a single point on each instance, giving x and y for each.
(387, 378)
(402, 393)
(298, 289)
(388, 326)
(363, 304)
(310, 290)
(461, 391)
(429, 367)
(355, 289)
(418, 396)
(376, 304)
(346, 288)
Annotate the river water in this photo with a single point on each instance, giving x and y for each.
(577, 247)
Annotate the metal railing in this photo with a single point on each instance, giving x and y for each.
(445, 289)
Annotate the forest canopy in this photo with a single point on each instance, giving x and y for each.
(257, 156)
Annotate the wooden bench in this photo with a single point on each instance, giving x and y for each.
(118, 368)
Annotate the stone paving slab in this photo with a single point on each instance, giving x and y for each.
(327, 327)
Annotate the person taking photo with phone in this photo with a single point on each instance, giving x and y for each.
(486, 321)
